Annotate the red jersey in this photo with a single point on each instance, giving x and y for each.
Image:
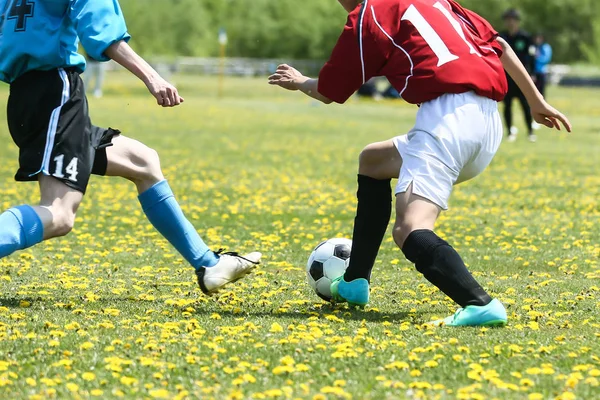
(426, 48)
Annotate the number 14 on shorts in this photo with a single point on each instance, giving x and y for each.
(70, 170)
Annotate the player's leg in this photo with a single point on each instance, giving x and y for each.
(24, 226)
(378, 164)
(466, 131)
(46, 120)
(100, 74)
(508, 114)
(440, 263)
(527, 115)
(140, 164)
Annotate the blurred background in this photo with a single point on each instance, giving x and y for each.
(182, 35)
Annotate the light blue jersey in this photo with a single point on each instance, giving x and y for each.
(543, 57)
(45, 34)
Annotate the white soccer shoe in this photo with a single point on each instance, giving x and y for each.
(532, 138)
(512, 135)
(231, 268)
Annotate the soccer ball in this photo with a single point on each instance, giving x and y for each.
(327, 262)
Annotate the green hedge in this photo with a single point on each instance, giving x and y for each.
(308, 29)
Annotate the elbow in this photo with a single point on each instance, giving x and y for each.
(325, 100)
(502, 43)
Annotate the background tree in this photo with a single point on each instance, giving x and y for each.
(309, 29)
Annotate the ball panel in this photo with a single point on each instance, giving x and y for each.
(324, 252)
(316, 270)
(337, 241)
(323, 289)
(342, 251)
(334, 268)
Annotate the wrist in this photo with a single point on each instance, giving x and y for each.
(299, 81)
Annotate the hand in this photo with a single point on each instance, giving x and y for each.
(166, 94)
(544, 114)
(287, 77)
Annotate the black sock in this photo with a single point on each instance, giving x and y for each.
(372, 219)
(442, 266)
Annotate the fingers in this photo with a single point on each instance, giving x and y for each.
(278, 78)
(547, 123)
(565, 121)
(168, 97)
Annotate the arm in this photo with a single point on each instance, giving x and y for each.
(290, 78)
(541, 111)
(166, 94)
(101, 27)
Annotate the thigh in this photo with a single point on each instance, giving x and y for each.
(380, 160)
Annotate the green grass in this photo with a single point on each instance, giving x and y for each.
(112, 311)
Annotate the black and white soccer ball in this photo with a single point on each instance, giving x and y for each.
(327, 262)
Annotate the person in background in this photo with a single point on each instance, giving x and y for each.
(522, 44)
(543, 57)
(95, 71)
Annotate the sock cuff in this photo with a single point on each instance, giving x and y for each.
(364, 179)
(376, 187)
(421, 243)
(156, 194)
(33, 228)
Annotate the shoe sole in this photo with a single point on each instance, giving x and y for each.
(494, 323)
(215, 291)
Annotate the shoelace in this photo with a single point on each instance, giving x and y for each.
(222, 252)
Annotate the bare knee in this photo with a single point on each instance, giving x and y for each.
(368, 161)
(380, 161)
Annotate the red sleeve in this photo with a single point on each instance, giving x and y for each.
(354, 60)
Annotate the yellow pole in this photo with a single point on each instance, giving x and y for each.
(221, 69)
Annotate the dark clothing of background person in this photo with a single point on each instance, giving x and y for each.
(522, 44)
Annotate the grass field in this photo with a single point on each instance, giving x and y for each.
(111, 311)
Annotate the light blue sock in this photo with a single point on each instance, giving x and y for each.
(20, 228)
(164, 213)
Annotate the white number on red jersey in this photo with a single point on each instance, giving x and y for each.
(434, 41)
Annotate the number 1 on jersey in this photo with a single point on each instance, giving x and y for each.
(434, 41)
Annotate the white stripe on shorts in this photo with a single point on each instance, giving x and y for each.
(53, 125)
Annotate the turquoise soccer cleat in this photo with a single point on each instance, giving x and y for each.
(492, 314)
(355, 292)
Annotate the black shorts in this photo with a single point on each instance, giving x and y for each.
(49, 122)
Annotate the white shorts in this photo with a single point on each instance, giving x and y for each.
(454, 140)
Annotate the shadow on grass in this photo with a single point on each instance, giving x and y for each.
(12, 302)
(353, 314)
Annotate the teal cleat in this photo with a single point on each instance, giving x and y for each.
(493, 314)
(355, 292)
